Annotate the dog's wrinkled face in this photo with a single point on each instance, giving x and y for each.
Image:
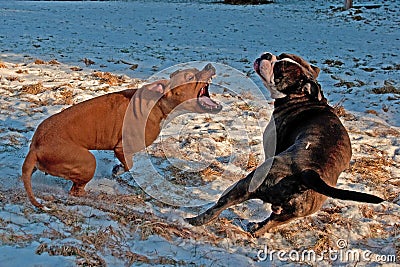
(189, 88)
(287, 74)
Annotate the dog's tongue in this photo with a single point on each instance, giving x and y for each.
(207, 101)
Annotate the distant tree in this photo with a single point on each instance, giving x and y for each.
(348, 4)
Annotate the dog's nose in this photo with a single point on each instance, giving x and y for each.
(209, 68)
(266, 56)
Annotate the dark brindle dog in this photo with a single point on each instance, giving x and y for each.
(312, 149)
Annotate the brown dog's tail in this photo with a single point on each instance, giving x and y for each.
(27, 170)
(312, 180)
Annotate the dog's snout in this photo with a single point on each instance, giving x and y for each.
(208, 66)
(266, 56)
(209, 69)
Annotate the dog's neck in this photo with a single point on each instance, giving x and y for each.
(289, 98)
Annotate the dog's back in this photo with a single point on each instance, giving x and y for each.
(89, 123)
(316, 136)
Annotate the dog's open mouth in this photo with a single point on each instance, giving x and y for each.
(206, 102)
(256, 65)
(257, 68)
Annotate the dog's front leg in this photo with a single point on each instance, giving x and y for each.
(126, 162)
(235, 194)
(258, 229)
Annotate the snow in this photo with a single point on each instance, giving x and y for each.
(118, 224)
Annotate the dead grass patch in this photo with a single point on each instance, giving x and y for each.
(42, 62)
(33, 89)
(88, 61)
(211, 172)
(21, 71)
(341, 112)
(371, 111)
(108, 78)
(66, 97)
(39, 62)
(76, 68)
(244, 106)
(53, 62)
(326, 218)
(367, 211)
(374, 168)
(224, 228)
(382, 131)
(85, 256)
(387, 88)
(247, 161)
(12, 78)
(323, 243)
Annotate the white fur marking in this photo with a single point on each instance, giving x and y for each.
(308, 145)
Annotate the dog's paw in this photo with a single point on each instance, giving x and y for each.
(193, 221)
(117, 170)
(252, 227)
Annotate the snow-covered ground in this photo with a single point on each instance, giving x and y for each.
(42, 70)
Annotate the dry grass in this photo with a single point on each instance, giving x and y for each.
(252, 163)
(76, 68)
(387, 88)
(39, 62)
(367, 211)
(13, 78)
(211, 173)
(21, 71)
(42, 62)
(372, 112)
(33, 89)
(53, 62)
(373, 168)
(108, 78)
(86, 257)
(247, 161)
(223, 228)
(88, 61)
(2, 65)
(341, 112)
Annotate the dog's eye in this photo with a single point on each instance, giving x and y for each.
(189, 77)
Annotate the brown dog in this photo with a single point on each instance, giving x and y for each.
(312, 149)
(61, 143)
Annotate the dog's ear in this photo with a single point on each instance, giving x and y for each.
(286, 72)
(315, 71)
(174, 73)
(313, 89)
(158, 86)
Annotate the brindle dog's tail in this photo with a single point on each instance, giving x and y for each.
(312, 180)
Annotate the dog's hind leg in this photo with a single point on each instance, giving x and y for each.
(82, 173)
(72, 163)
(235, 194)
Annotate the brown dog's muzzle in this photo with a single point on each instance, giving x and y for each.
(203, 98)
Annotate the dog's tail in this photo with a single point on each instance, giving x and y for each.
(312, 180)
(27, 169)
